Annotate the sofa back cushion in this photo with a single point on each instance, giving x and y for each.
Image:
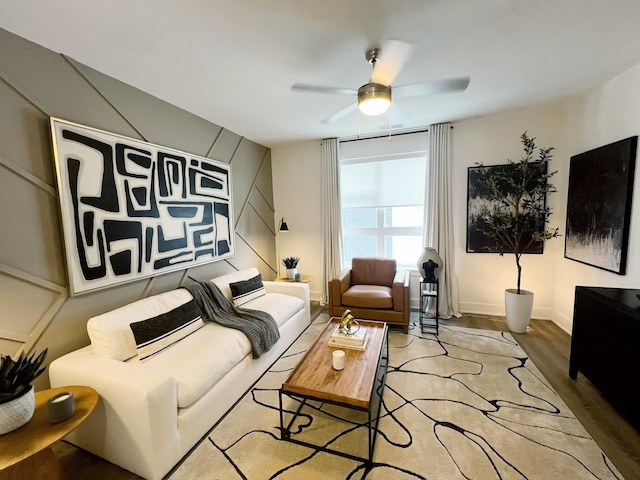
(110, 333)
(373, 271)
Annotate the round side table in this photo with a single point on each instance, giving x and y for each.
(304, 279)
(26, 452)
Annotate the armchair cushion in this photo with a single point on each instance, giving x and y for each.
(368, 296)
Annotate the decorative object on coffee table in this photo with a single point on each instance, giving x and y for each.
(348, 324)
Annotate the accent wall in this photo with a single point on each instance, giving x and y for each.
(36, 310)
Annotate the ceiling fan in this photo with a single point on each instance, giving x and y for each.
(374, 98)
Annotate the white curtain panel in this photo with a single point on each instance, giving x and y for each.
(331, 216)
(438, 221)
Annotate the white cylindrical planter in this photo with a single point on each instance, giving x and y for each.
(291, 273)
(17, 412)
(518, 309)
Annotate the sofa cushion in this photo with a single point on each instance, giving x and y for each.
(280, 306)
(246, 290)
(110, 333)
(199, 361)
(157, 333)
(368, 296)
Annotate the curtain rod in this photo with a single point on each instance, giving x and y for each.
(384, 135)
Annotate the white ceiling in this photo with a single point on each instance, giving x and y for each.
(233, 61)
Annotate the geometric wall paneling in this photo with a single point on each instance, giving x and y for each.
(29, 208)
(246, 164)
(225, 146)
(156, 121)
(36, 83)
(132, 209)
(53, 85)
(28, 305)
(264, 182)
(265, 239)
(256, 232)
(246, 257)
(262, 207)
(165, 282)
(24, 135)
(210, 270)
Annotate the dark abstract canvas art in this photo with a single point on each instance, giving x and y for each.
(599, 205)
(131, 209)
(478, 242)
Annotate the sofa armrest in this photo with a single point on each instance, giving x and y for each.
(338, 285)
(135, 422)
(400, 291)
(295, 289)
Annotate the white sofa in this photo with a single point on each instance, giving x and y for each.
(152, 412)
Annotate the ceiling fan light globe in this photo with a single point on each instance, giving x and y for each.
(374, 99)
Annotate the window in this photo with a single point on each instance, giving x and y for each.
(382, 199)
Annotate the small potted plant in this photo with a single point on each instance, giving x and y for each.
(17, 397)
(291, 264)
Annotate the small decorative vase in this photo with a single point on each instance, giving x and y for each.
(291, 273)
(433, 270)
(17, 412)
(518, 309)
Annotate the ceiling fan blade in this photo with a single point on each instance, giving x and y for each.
(340, 114)
(394, 55)
(303, 87)
(432, 88)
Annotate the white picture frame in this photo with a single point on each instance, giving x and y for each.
(132, 209)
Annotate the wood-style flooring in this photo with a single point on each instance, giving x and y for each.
(545, 343)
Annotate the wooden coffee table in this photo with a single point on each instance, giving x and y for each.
(359, 386)
(26, 452)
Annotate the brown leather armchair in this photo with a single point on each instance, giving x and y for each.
(373, 290)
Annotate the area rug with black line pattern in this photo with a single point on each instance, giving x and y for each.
(466, 404)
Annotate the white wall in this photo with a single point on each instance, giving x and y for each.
(483, 277)
(296, 194)
(605, 115)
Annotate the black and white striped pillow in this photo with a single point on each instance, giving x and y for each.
(246, 290)
(157, 333)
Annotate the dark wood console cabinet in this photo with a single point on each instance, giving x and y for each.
(605, 345)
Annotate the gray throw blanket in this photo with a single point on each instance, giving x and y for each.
(258, 326)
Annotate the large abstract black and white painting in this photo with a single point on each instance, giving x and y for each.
(131, 209)
(599, 205)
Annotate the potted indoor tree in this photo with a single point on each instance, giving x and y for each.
(515, 217)
(291, 264)
(17, 397)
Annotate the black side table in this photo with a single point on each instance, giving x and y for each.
(429, 290)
